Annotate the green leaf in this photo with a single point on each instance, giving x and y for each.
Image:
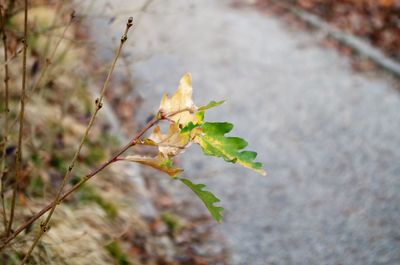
(210, 105)
(115, 249)
(189, 127)
(214, 143)
(199, 117)
(207, 197)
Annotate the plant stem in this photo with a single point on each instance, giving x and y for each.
(21, 121)
(6, 114)
(13, 56)
(135, 140)
(44, 69)
(98, 102)
(35, 217)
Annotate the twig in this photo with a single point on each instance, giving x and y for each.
(135, 140)
(13, 56)
(141, 10)
(44, 69)
(6, 114)
(31, 220)
(21, 121)
(44, 225)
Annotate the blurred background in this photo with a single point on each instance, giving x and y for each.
(321, 115)
(312, 85)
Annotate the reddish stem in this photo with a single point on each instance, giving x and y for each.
(78, 185)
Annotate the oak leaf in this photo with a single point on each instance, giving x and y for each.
(213, 142)
(172, 143)
(181, 103)
(159, 162)
(207, 197)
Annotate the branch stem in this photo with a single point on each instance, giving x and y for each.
(99, 104)
(6, 118)
(45, 209)
(18, 159)
(135, 140)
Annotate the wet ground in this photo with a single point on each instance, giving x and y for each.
(329, 136)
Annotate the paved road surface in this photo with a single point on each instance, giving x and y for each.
(329, 137)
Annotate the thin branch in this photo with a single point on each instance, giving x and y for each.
(44, 69)
(141, 10)
(135, 140)
(35, 217)
(13, 56)
(166, 116)
(21, 121)
(6, 118)
(44, 225)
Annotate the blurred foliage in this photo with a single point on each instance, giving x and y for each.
(117, 253)
(88, 194)
(172, 221)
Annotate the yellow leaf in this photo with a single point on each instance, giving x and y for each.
(172, 143)
(159, 162)
(180, 101)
